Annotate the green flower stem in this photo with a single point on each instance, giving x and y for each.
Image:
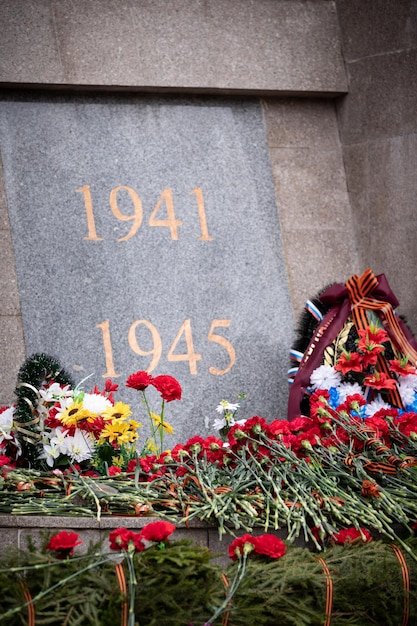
(57, 585)
(38, 566)
(90, 491)
(233, 587)
(148, 409)
(161, 428)
(132, 587)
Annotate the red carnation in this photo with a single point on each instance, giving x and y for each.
(349, 536)
(123, 539)
(139, 381)
(407, 423)
(241, 545)
(264, 545)
(157, 531)
(113, 470)
(168, 387)
(63, 543)
(5, 460)
(270, 545)
(278, 427)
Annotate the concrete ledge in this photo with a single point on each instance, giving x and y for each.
(243, 45)
(16, 530)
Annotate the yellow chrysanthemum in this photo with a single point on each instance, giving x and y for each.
(151, 446)
(121, 431)
(75, 414)
(119, 411)
(158, 423)
(117, 461)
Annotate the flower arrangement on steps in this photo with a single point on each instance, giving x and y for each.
(345, 458)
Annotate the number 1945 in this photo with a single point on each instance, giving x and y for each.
(155, 352)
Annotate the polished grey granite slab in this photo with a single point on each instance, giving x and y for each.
(146, 235)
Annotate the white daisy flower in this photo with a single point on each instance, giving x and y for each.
(225, 407)
(325, 377)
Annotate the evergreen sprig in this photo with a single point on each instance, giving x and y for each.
(37, 370)
(180, 584)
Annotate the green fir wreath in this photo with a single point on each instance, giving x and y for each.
(38, 370)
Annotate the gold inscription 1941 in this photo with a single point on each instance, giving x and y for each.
(136, 217)
(155, 352)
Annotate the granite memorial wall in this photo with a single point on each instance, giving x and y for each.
(146, 236)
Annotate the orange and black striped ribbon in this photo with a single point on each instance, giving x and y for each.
(225, 619)
(121, 579)
(360, 296)
(329, 591)
(31, 607)
(406, 580)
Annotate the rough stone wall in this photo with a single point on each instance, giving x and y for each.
(287, 52)
(378, 130)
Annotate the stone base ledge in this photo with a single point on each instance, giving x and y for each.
(17, 529)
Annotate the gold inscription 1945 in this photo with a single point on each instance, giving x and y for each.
(136, 217)
(155, 352)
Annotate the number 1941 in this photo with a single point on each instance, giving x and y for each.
(136, 217)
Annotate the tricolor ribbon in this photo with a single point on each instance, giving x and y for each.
(359, 294)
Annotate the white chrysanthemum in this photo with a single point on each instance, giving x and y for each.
(407, 386)
(227, 407)
(79, 448)
(408, 381)
(95, 403)
(376, 405)
(6, 424)
(407, 393)
(325, 377)
(349, 389)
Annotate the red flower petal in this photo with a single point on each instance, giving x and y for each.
(139, 381)
(168, 387)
